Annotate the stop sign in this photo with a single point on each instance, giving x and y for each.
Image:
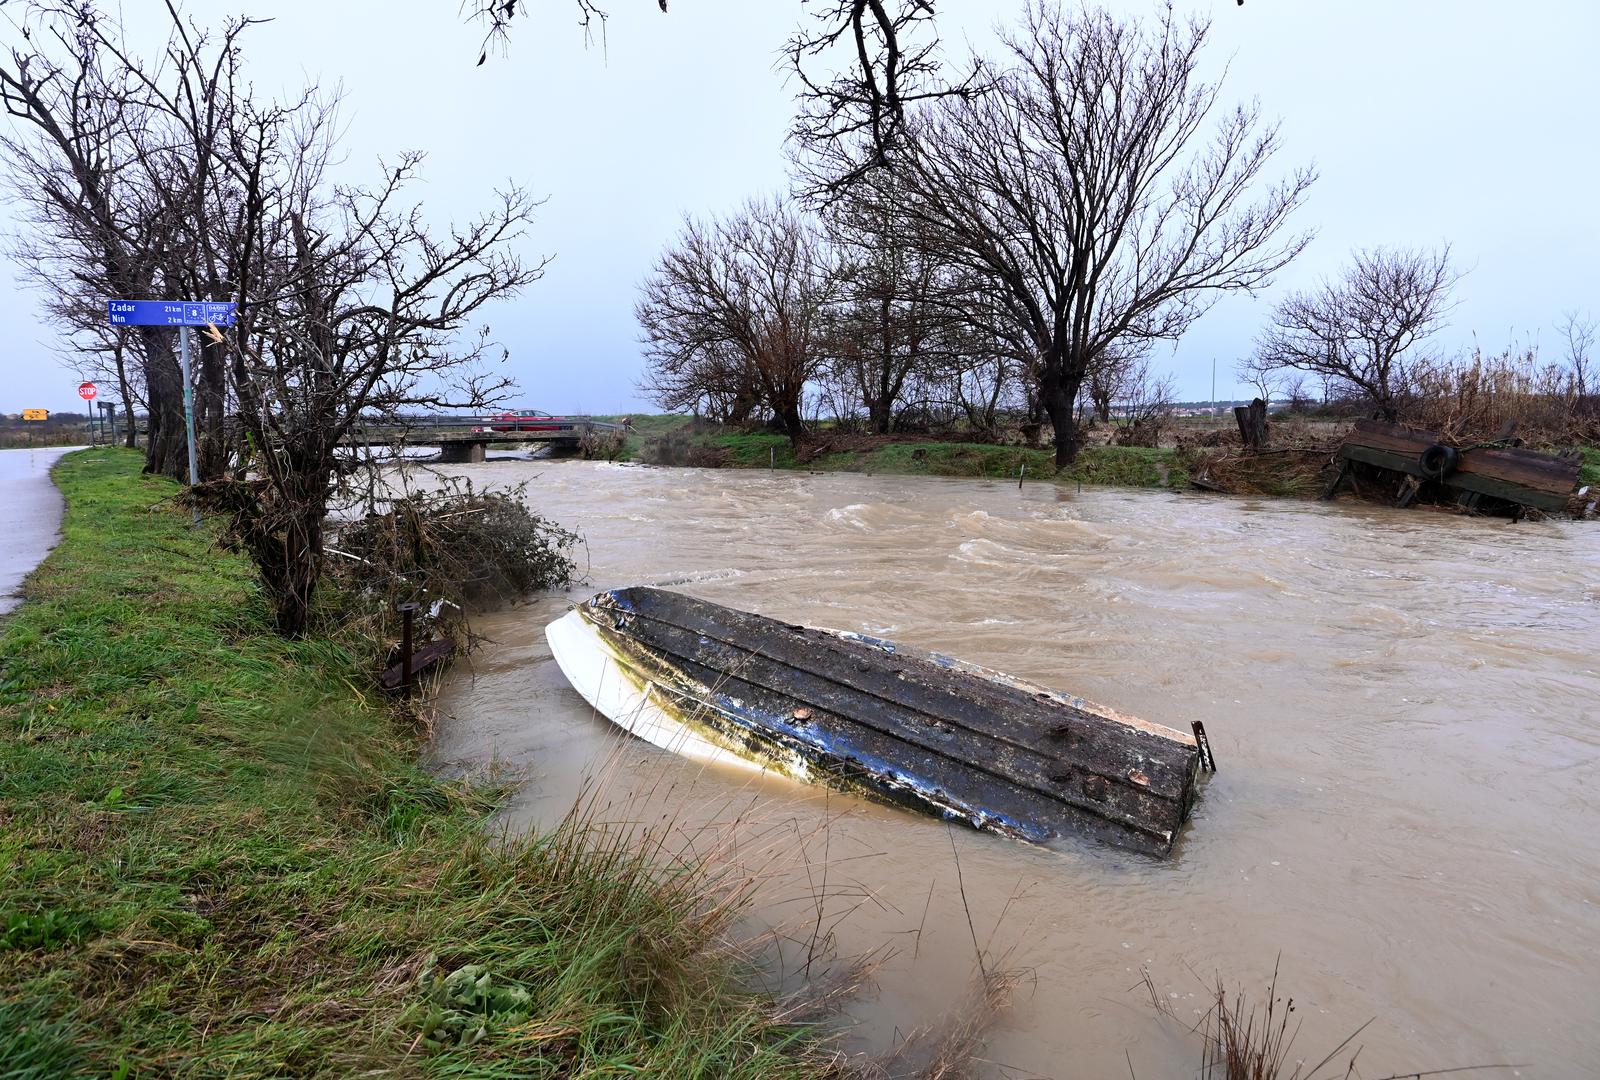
(86, 391)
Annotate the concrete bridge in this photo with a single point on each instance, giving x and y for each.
(466, 439)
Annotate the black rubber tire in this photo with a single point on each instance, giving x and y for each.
(1439, 461)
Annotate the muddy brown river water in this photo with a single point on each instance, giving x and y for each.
(1405, 709)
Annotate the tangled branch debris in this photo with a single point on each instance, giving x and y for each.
(453, 551)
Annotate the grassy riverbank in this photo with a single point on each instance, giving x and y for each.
(1590, 472)
(675, 440)
(1288, 472)
(219, 856)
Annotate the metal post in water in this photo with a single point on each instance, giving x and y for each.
(407, 610)
(188, 413)
(772, 459)
(1020, 473)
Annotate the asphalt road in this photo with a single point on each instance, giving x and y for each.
(30, 514)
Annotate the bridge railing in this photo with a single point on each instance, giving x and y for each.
(457, 422)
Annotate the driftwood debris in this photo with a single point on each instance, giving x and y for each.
(421, 660)
(1470, 474)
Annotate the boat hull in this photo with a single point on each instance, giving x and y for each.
(915, 729)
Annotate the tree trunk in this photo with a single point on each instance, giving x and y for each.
(788, 415)
(131, 425)
(1252, 421)
(297, 584)
(1058, 402)
(210, 408)
(290, 561)
(881, 418)
(165, 452)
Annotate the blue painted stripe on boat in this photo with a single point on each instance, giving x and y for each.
(756, 719)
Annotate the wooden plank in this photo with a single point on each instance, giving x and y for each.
(830, 740)
(1383, 459)
(1338, 479)
(1393, 437)
(856, 758)
(911, 728)
(1048, 726)
(421, 660)
(836, 710)
(1513, 493)
(1511, 465)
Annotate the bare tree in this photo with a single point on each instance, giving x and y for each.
(1295, 393)
(896, 305)
(1360, 328)
(1086, 187)
(498, 15)
(739, 304)
(1113, 377)
(1144, 403)
(857, 110)
(850, 123)
(172, 181)
(1265, 375)
(1579, 334)
(349, 306)
(987, 363)
(79, 115)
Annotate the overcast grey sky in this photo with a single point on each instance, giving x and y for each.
(1468, 121)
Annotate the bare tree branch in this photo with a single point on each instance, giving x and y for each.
(1358, 331)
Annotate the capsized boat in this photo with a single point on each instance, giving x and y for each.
(878, 719)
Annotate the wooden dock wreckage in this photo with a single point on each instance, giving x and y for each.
(1496, 476)
(872, 718)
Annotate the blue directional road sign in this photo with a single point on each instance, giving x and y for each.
(169, 313)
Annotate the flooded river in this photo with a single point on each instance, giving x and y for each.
(1405, 709)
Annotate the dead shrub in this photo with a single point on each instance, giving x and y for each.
(1205, 440)
(1488, 397)
(601, 444)
(683, 448)
(1288, 472)
(453, 551)
(1141, 431)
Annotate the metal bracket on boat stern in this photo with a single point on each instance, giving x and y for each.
(1208, 761)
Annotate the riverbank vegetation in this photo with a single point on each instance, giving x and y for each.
(346, 302)
(995, 266)
(707, 445)
(1204, 453)
(1025, 248)
(220, 856)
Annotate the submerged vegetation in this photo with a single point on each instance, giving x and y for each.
(450, 551)
(220, 857)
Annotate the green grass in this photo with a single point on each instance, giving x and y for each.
(1589, 472)
(219, 857)
(643, 428)
(1123, 466)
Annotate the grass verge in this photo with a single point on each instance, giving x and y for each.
(218, 857)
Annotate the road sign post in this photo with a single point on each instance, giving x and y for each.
(183, 314)
(188, 412)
